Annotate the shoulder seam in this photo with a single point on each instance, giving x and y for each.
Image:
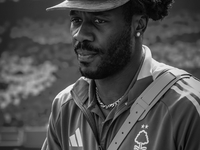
(190, 91)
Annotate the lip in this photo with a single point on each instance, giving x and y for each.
(86, 56)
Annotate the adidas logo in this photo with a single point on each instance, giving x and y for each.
(75, 140)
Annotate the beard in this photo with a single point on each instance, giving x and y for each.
(115, 58)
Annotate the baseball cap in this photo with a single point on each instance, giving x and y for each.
(88, 5)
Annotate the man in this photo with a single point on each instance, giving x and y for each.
(116, 69)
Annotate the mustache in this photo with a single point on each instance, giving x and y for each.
(86, 46)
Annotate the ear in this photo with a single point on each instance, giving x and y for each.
(139, 23)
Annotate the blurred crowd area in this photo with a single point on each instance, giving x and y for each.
(37, 59)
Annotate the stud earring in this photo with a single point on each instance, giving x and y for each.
(138, 34)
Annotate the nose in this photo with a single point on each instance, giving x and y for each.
(83, 33)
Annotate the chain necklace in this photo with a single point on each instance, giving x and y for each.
(102, 105)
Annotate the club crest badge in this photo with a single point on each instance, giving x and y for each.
(142, 139)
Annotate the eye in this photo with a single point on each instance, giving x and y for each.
(75, 20)
(99, 21)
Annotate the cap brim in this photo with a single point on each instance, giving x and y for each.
(89, 6)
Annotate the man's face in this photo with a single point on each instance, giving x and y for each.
(102, 42)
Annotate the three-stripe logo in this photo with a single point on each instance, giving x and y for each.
(75, 140)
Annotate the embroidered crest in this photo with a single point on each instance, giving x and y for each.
(142, 139)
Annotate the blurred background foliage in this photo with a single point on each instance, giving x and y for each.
(37, 58)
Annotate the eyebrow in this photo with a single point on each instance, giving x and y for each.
(72, 12)
(104, 13)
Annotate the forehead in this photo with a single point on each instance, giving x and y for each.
(112, 12)
(76, 12)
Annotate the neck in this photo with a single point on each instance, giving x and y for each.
(112, 88)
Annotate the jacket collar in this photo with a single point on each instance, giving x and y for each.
(84, 87)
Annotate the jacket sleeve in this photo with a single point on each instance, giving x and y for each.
(52, 141)
(45, 145)
(186, 115)
(188, 132)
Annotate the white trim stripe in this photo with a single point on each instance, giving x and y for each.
(185, 86)
(196, 104)
(194, 101)
(73, 140)
(193, 83)
(79, 139)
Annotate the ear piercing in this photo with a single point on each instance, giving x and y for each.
(138, 34)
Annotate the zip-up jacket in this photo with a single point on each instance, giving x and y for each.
(77, 123)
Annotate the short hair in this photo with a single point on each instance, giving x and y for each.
(153, 9)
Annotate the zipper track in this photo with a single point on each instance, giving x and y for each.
(91, 122)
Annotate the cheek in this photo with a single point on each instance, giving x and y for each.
(73, 31)
(106, 42)
(112, 41)
(72, 35)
